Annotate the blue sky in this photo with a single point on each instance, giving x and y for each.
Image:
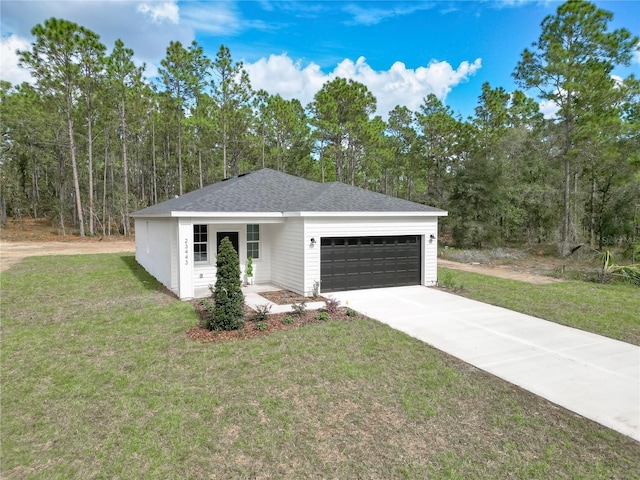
(401, 50)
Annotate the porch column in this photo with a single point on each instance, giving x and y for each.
(185, 258)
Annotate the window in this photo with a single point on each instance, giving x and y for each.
(253, 241)
(200, 243)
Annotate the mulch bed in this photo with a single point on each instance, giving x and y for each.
(287, 297)
(274, 323)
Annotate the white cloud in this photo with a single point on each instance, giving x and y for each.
(617, 80)
(217, 18)
(399, 85)
(549, 109)
(148, 26)
(159, 12)
(146, 31)
(10, 71)
(371, 16)
(518, 3)
(279, 74)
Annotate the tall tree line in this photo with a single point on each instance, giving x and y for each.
(92, 140)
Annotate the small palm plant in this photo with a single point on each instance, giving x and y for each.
(630, 273)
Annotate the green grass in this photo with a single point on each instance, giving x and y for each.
(612, 310)
(99, 380)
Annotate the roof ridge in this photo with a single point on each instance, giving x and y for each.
(268, 190)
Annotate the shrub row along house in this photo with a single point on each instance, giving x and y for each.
(298, 233)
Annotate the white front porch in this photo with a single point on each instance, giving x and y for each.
(254, 300)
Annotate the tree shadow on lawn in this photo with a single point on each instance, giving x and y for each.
(145, 278)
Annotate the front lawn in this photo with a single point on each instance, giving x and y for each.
(100, 380)
(612, 310)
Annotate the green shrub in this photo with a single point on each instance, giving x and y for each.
(298, 308)
(322, 316)
(331, 305)
(288, 320)
(207, 312)
(228, 311)
(249, 267)
(447, 280)
(351, 313)
(261, 312)
(315, 291)
(610, 270)
(629, 273)
(262, 326)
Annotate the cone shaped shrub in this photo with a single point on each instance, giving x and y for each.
(228, 309)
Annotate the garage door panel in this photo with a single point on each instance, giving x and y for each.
(349, 263)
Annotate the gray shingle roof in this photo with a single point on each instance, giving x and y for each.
(267, 190)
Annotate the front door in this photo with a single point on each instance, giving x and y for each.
(233, 238)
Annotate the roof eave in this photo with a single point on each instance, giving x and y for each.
(437, 213)
(183, 214)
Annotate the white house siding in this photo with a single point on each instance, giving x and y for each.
(287, 254)
(204, 274)
(154, 249)
(175, 267)
(185, 258)
(318, 227)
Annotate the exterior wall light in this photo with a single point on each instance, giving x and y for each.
(313, 242)
(432, 237)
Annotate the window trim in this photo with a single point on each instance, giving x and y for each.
(253, 242)
(205, 243)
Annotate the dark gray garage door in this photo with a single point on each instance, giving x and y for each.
(351, 263)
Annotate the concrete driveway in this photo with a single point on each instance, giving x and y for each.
(594, 376)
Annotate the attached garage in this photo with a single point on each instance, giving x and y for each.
(351, 263)
(297, 232)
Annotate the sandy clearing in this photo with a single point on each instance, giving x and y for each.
(500, 271)
(13, 252)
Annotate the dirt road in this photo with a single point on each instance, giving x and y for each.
(500, 271)
(13, 252)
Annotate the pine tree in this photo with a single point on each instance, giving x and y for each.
(228, 311)
(54, 61)
(125, 86)
(340, 112)
(232, 94)
(571, 66)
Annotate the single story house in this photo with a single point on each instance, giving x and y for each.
(300, 233)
